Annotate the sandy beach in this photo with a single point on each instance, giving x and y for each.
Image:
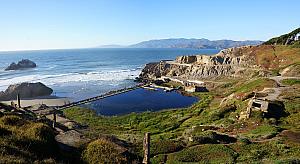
(49, 101)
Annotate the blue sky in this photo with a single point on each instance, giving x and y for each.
(50, 24)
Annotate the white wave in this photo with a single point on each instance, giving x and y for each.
(112, 76)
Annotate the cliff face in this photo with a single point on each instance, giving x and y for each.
(229, 62)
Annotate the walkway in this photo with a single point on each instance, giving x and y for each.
(273, 93)
(109, 94)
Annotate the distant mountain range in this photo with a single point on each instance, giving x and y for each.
(188, 43)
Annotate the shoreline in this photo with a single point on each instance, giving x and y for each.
(47, 100)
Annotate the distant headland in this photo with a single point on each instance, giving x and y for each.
(187, 43)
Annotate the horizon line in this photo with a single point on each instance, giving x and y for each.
(121, 46)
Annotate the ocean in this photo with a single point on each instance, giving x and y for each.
(83, 73)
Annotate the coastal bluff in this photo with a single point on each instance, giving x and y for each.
(245, 61)
(228, 62)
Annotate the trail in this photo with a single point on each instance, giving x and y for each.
(276, 91)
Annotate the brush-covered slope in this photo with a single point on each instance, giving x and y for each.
(292, 38)
(23, 140)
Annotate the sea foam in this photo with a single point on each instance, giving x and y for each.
(57, 79)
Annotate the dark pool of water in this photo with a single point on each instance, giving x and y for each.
(140, 100)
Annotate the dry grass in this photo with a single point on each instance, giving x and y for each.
(24, 141)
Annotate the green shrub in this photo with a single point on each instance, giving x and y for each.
(245, 141)
(223, 112)
(264, 131)
(266, 152)
(102, 151)
(159, 159)
(257, 115)
(296, 44)
(205, 137)
(39, 138)
(165, 146)
(211, 137)
(38, 131)
(290, 81)
(210, 153)
(289, 161)
(253, 85)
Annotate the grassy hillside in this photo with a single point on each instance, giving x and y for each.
(209, 131)
(205, 129)
(25, 141)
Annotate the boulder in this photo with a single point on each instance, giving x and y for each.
(23, 64)
(26, 90)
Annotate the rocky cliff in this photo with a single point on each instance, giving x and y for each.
(229, 62)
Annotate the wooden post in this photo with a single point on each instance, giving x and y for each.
(18, 100)
(54, 119)
(146, 148)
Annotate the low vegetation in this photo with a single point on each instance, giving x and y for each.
(206, 131)
(205, 153)
(103, 151)
(290, 81)
(24, 141)
(282, 40)
(263, 132)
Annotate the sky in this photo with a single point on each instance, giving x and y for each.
(59, 24)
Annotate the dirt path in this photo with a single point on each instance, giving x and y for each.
(273, 93)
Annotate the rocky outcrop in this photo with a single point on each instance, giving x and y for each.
(26, 90)
(23, 64)
(230, 56)
(228, 62)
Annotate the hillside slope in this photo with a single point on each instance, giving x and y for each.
(292, 38)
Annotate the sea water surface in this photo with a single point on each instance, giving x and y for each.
(83, 73)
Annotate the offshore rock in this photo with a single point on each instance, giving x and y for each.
(23, 64)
